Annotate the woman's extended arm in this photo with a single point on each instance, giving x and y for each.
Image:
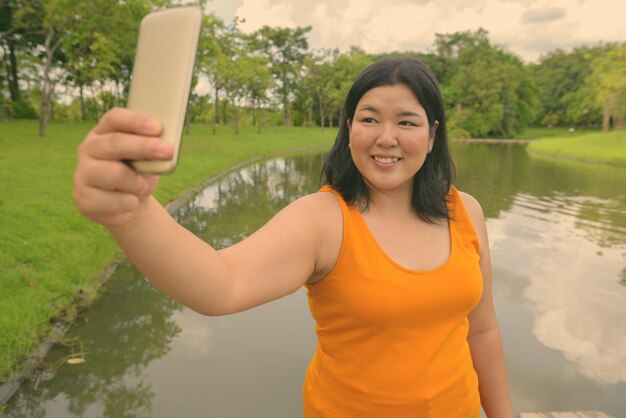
(484, 335)
(273, 262)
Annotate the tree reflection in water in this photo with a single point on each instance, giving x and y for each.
(131, 327)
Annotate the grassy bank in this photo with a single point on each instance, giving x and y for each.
(607, 148)
(49, 254)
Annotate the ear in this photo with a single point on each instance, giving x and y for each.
(432, 134)
(434, 129)
(349, 123)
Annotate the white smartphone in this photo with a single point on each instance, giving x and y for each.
(162, 72)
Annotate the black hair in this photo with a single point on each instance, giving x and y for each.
(432, 182)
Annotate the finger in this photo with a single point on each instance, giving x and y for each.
(106, 207)
(114, 176)
(125, 146)
(152, 181)
(124, 120)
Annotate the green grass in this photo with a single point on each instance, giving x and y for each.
(49, 254)
(542, 132)
(609, 148)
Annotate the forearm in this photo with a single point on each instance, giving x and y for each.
(488, 358)
(175, 260)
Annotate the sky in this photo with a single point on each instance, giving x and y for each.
(528, 28)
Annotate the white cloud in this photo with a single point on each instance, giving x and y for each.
(258, 13)
(575, 300)
(528, 28)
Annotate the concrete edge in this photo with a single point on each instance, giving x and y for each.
(8, 388)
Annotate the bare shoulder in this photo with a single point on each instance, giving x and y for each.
(475, 212)
(324, 211)
(319, 213)
(320, 207)
(472, 206)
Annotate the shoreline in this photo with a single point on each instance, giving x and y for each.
(565, 157)
(490, 141)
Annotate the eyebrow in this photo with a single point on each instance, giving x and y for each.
(374, 110)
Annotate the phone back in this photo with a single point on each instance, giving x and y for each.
(162, 74)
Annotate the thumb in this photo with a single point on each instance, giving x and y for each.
(151, 182)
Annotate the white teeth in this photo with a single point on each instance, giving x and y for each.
(385, 160)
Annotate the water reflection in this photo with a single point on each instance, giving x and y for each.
(558, 237)
(131, 327)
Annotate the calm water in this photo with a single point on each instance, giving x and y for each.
(558, 238)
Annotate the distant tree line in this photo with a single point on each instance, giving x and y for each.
(72, 60)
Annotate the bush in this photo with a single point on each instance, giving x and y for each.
(23, 110)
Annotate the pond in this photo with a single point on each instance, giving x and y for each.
(558, 239)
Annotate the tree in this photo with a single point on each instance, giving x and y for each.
(215, 49)
(608, 79)
(9, 35)
(564, 96)
(326, 82)
(61, 20)
(248, 78)
(489, 90)
(286, 50)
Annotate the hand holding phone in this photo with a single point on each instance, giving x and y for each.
(162, 74)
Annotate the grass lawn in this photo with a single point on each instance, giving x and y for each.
(607, 148)
(543, 132)
(49, 254)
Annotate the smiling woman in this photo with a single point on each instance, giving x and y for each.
(395, 259)
(395, 109)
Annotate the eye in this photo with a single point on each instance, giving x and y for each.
(368, 120)
(407, 123)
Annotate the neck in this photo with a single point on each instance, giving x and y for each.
(398, 201)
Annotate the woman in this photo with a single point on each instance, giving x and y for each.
(395, 259)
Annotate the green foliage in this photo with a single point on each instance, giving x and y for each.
(488, 91)
(566, 97)
(23, 110)
(608, 79)
(286, 50)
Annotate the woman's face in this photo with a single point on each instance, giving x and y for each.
(390, 137)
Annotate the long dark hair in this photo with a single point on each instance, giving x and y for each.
(432, 182)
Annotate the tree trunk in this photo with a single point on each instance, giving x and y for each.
(94, 100)
(321, 112)
(330, 118)
(44, 108)
(51, 102)
(83, 110)
(236, 117)
(257, 115)
(187, 123)
(14, 87)
(7, 65)
(606, 116)
(216, 114)
(286, 120)
(285, 98)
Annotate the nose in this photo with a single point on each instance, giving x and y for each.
(387, 137)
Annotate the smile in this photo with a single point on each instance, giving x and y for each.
(385, 160)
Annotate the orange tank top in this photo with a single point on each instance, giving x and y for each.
(392, 342)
